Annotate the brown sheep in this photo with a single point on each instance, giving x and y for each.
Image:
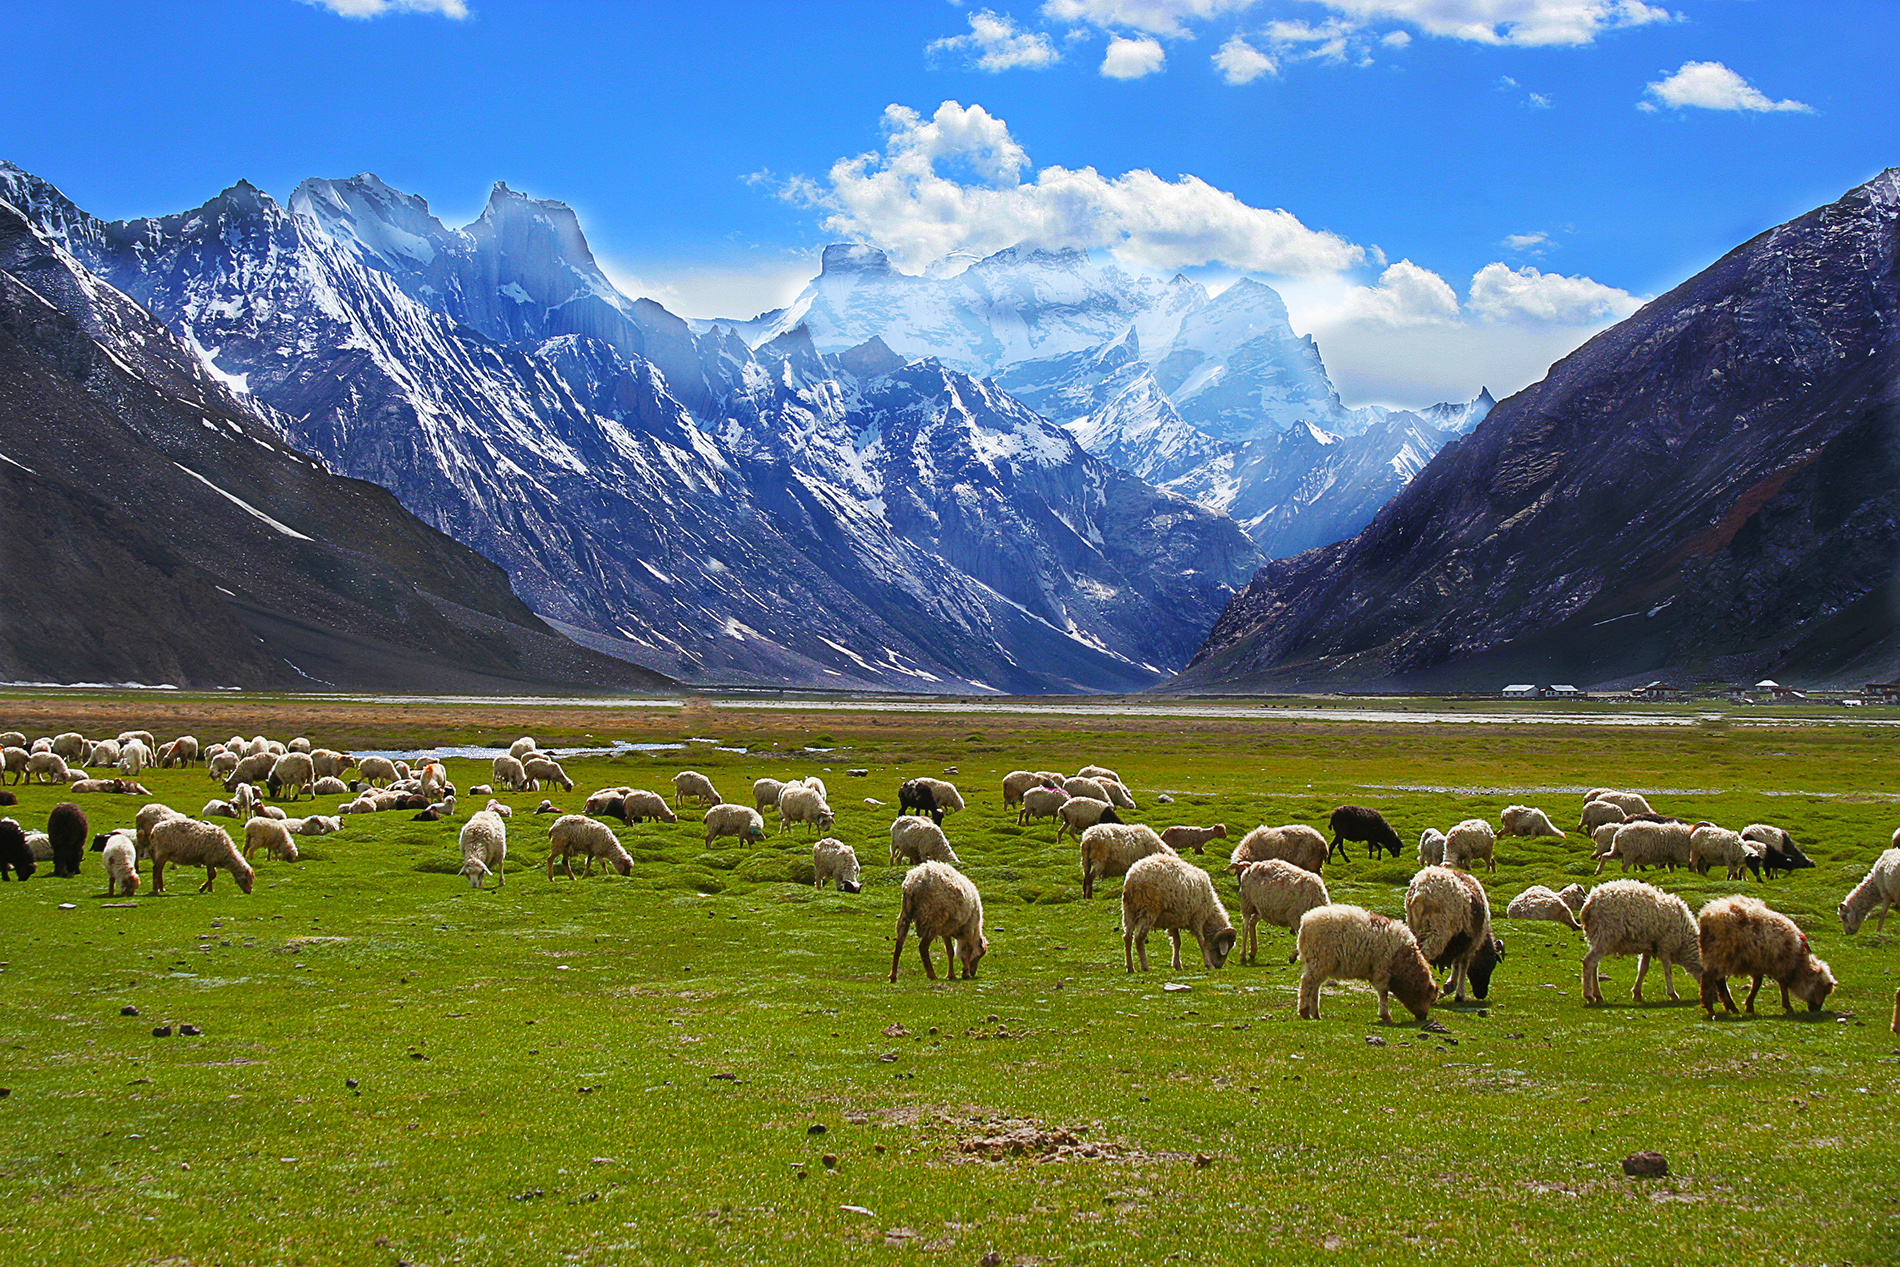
(1742, 937)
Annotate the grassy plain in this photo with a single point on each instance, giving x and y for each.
(633, 1069)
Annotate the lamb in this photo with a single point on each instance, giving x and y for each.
(245, 800)
(1597, 813)
(577, 836)
(1165, 892)
(1183, 838)
(1880, 887)
(1112, 848)
(918, 840)
(1016, 782)
(510, 774)
(765, 794)
(1709, 844)
(801, 804)
(314, 825)
(1450, 916)
(835, 862)
(432, 779)
(1780, 853)
(1471, 841)
(484, 845)
(696, 785)
(496, 807)
(377, 770)
(1539, 902)
(220, 767)
(1079, 813)
(734, 820)
(1349, 942)
(1431, 847)
(1098, 772)
(46, 767)
(1279, 893)
(639, 805)
(1628, 802)
(330, 764)
(122, 865)
(1645, 844)
(106, 753)
(67, 829)
(942, 902)
(133, 758)
(541, 770)
(1356, 822)
(1629, 917)
(187, 841)
(329, 785)
(929, 796)
(1742, 937)
(293, 772)
(272, 837)
(1524, 820)
(1295, 843)
(1042, 802)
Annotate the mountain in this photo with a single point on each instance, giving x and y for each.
(1710, 489)
(154, 528)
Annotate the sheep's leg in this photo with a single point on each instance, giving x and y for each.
(903, 929)
(1592, 984)
(211, 873)
(1669, 981)
(1088, 881)
(1880, 920)
(1457, 982)
(1309, 995)
(923, 950)
(1642, 970)
(949, 957)
(158, 876)
(1128, 951)
(1754, 988)
(1338, 844)
(1174, 938)
(501, 875)
(1249, 940)
(1385, 1005)
(1786, 1006)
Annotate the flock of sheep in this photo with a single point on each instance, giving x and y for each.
(1447, 924)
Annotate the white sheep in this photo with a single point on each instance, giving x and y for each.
(1041, 802)
(122, 865)
(1631, 803)
(46, 767)
(578, 836)
(1646, 844)
(245, 799)
(1109, 849)
(432, 780)
(14, 757)
(484, 844)
(1098, 772)
(377, 771)
(106, 753)
(741, 821)
(696, 785)
(1709, 844)
(1539, 902)
(1524, 820)
(1279, 893)
(182, 751)
(496, 807)
(1880, 887)
(13, 739)
(541, 770)
(1016, 782)
(1091, 788)
(329, 763)
(521, 747)
(1628, 917)
(942, 902)
(186, 841)
(1450, 916)
(314, 825)
(1164, 891)
(1117, 794)
(272, 837)
(920, 840)
(1471, 841)
(222, 766)
(218, 809)
(801, 804)
(294, 773)
(1597, 813)
(147, 818)
(1431, 847)
(329, 785)
(836, 863)
(639, 805)
(1296, 843)
(817, 785)
(765, 794)
(70, 745)
(1079, 813)
(1341, 942)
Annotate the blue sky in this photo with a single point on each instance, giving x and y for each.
(1396, 167)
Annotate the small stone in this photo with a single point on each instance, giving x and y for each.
(350, 1083)
(888, 1057)
(128, 1010)
(1373, 1040)
(816, 1128)
(1165, 799)
(184, 1165)
(1646, 1164)
(895, 1030)
(162, 1031)
(992, 1259)
(830, 1161)
(189, 1031)
(800, 1173)
(68, 906)
(878, 1149)
(1202, 1161)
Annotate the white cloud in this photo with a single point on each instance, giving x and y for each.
(1713, 86)
(917, 201)
(1396, 39)
(1157, 17)
(995, 43)
(1527, 243)
(739, 291)
(1132, 59)
(377, 8)
(1522, 22)
(1327, 42)
(1241, 63)
(1539, 101)
(1406, 295)
(1525, 295)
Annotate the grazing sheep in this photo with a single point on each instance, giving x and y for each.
(14, 757)
(1431, 847)
(314, 825)
(1356, 822)
(1645, 844)
(801, 804)
(182, 751)
(432, 779)
(496, 807)
(42, 744)
(765, 794)
(1183, 838)
(817, 785)
(299, 744)
(1016, 782)
(1042, 802)
(607, 800)
(1538, 902)
(1091, 788)
(1118, 795)
(546, 770)
(1165, 892)
(638, 805)
(186, 841)
(330, 764)
(114, 787)
(41, 845)
(329, 785)
(484, 845)
(1079, 813)
(272, 837)
(929, 796)
(1629, 917)
(734, 820)
(1112, 848)
(1742, 937)
(245, 799)
(143, 736)
(46, 767)
(70, 745)
(1450, 916)
(1279, 893)
(12, 739)
(1880, 887)
(1597, 813)
(696, 785)
(1709, 844)
(577, 836)
(942, 902)
(835, 862)
(106, 753)
(147, 818)
(1524, 820)
(1628, 802)
(1471, 841)
(1296, 843)
(521, 747)
(377, 771)
(122, 865)
(16, 859)
(508, 773)
(133, 758)
(1779, 853)
(1343, 942)
(1098, 772)
(66, 830)
(220, 767)
(919, 840)
(293, 773)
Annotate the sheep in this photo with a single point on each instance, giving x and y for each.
(1112, 848)
(220, 767)
(639, 805)
(1597, 813)
(817, 785)
(1183, 838)
(1349, 942)
(1091, 788)
(1016, 782)
(114, 787)
(606, 800)
(1296, 843)
(942, 902)
(929, 796)
(1539, 902)
(1471, 841)
(1450, 916)
(834, 861)
(377, 771)
(12, 739)
(521, 747)
(1780, 853)
(293, 772)
(541, 770)
(1042, 802)
(1742, 937)
(1356, 822)
(133, 758)
(1079, 813)
(147, 818)
(1279, 893)
(734, 820)
(1117, 794)
(1165, 892)
(187, 841)
(122, 865)
(1628, 802)
(330, 764)
(577, 836)
(801, 804)
(484, 845)
(1098, 772)
(272, 837)
(1524, 820)
(1646, 844)
(182, 751)
(1709, 844)
(1629, 917)
(314, 825)
(328, 785)
(70, 745)
(918, 840)
(46, 767)
(66, 831)
(15, 758)
(433, 779)
(696, 785)
(1431, 847)
(251, 769)
(16, 859)
(1880, 887)
(245, 800)
(41, 844)
(765, 794)
(509, 773)
(42, 744)
(106, 753)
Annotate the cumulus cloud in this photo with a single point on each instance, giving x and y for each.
(377, 8)
(1241, 63)
(1713, 86)
(995, 43)
(1406, 295)
(1156, 17)
(1501, 293)
(954, 183)
(1326, 41)
(1132, 58)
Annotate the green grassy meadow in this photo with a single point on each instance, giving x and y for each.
(636, 1069)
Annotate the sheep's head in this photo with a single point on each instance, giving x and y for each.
(1412, 981)
(1484, 964)
(244, 876)
(1851, 919)
(970, 950)
(476, 871)
(1215, 949)
(623, 862)
(1812, 982)
(1219, 831)
(825, 820)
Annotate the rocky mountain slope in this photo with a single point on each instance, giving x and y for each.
(1709, 489)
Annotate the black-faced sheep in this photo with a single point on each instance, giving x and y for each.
(801, 804)
(1016, 782)
(1165, 892)
(1741, 937)
(1357, 823)
(1042, 802)
(942, 902)
(928, 796)
(1780, 853)
(1079, 813)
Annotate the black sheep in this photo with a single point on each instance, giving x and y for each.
(8, 798)
(1786, 857)
(66, 829)
(1356, 822)
(614, 805)
(915, 796)
(14, 855)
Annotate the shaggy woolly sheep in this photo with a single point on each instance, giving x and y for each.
(1741, 937)
(66, 831)
(377, 771)
(1079, 813)
(521, 747)
(12, 739)
(1629, 917)
(1646, 844)
(942, 902)
(929, 796)
(1016, 782)
(919, 840)
(1098, 772)
(1525, 820)
(220, 767)
(1296, 843)
(1538, 902)
(272, 837)
(330, 764)
(1431, 847)
(801, 804)
(541, 770)
(1880, 887)
(741, 821)
(294, 773)
(106, 753)
(16, 859)
(1111, 848)
(484, 845)
(1450, 916)
(314, 825)
(1597, 813)
(46, 767)
(696, 785)
(1279, 893)
(1091, 788)
(1471, 841)
(1165, 892)
(508, 772)
(836, 863)
(121, 860)
(577, 836)
(1628, 802)
(188, 842)
(1709, 844)
(432, 779)
(70, 745)
(1351, 943)
(133, 758)
(147, 818)
(1356, 822)
(1042, 802)
(1183, 838)
(329, 785)
(638, 805)
(1118, 795)
(182, 751)
(765, 794)
(15, 758)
